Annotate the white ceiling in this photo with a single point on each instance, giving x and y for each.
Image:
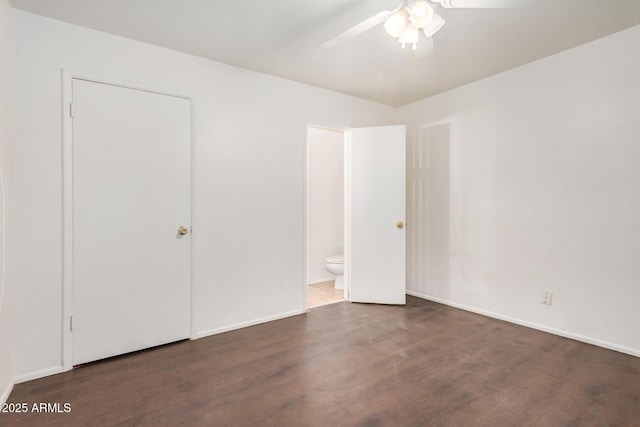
(282, 37)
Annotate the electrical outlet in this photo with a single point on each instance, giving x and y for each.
(546, 297)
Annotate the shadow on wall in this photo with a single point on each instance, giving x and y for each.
(428, 212)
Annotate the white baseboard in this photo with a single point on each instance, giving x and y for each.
(38, 374)
(58, 369)
(5, 393)
(240, 325)
(559, 332)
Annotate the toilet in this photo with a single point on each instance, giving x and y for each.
(335, 265)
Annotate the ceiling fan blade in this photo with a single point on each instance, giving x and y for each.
(356, 30)
(484, 4)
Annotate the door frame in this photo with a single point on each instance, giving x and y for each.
(68, 75)
(345, 131)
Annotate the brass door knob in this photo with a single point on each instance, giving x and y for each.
(183, 230)
(400, 224)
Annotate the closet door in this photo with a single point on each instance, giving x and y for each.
(131, 220)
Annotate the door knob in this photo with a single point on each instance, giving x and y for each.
(400, 224)
(183, 230)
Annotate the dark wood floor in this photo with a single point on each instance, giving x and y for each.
(352, 365)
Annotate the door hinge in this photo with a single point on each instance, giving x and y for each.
(71, 323)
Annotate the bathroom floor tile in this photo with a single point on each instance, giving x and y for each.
(322, 294)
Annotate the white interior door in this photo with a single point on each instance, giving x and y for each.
(376, 180)
(131, 193)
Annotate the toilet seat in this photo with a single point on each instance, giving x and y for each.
(336, 259)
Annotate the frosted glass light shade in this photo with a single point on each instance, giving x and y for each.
(397, 22)
(409, 35)
(421, 14)
(434, 26)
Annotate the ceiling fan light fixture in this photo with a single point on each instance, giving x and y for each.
(421, 14)
(397, 22)
(433, 26)
(409, 35)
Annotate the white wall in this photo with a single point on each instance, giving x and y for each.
(428, 208)
(326, 200)
(6, 118)
(248, 260)
(544, 192)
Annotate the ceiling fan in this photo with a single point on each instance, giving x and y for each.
(412, 16)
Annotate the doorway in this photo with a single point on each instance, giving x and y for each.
(372, 214)
(325, 214)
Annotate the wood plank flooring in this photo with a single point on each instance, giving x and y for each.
(346, 364)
